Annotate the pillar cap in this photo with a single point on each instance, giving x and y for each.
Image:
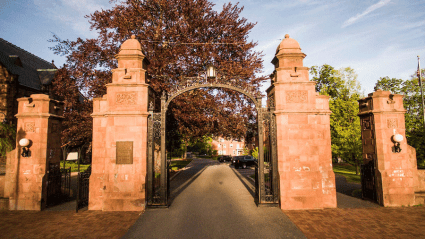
(288, 45)
(130, 47)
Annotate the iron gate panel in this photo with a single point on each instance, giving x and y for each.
(58, 184)
(368, 181)
(83, 189)
(267, 187)
(155, 185)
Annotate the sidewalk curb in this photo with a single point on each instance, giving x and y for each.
(181, 170)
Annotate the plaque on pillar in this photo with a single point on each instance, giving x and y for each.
(124, 152)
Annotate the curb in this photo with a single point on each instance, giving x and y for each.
(181, 170)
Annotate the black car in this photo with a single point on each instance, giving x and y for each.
(244, 161)
(225, 158)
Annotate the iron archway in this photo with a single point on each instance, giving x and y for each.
(265, 193)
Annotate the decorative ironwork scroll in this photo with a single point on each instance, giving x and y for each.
(192, 83)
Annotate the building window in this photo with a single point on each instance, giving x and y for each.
(237, 146)
(219, 145)
(231, 145)
(234, 152)
(221, 140)
(224, 146)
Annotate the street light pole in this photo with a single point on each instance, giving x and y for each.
(420, 85)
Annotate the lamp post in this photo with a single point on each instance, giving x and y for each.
(211, 71)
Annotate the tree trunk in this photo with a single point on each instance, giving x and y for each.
(357, 165)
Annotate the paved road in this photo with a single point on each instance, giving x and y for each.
(212, 200)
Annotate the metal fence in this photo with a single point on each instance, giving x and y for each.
(83, 189)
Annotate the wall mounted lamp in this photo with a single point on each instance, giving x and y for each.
(24, 144)
(396, 138)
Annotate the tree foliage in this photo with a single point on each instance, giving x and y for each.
(415, 132)
(7, 138)
(344, 91)
(179, 37)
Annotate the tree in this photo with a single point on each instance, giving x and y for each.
(7, 138)
(344, 91)
(77, 124)
(415, 132)
(179, 37)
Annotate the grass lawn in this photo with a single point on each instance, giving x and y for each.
(348, 171)
(179, 164)
(74, 166)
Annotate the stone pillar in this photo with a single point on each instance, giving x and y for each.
(39, 120)
(303, 133)
(382, 116)
(117, 182)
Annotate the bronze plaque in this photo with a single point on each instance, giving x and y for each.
(124, 152)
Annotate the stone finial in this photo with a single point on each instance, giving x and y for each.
(287, 36)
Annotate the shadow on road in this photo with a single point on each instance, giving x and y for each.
(245, 182)
(184, 179)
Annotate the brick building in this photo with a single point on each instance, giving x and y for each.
(229, 147)
(21, 74)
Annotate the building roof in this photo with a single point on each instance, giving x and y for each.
(32, 71)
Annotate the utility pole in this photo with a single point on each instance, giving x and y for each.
(420, 85)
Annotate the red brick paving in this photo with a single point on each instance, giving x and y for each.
(407, 222)
(65, 224)
(404, 222)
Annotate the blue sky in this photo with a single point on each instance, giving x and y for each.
(376, 38)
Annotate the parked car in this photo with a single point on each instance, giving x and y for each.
(244, 161)
(225, 158)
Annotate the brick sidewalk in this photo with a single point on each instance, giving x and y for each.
(65, 224)
(404, 222)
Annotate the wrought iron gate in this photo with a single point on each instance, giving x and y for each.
(157, 163)
(369, 156)
(266, 177)
(83, 189)
(58, 184)
(368, 181)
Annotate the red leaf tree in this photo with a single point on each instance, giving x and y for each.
(179, 37)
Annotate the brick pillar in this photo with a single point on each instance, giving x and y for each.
(39, 120)
(382, 116)
(303, 133)
(117, 182)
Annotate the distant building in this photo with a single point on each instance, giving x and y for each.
(229, 147)
(21, 74)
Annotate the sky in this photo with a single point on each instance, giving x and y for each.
(376, 38)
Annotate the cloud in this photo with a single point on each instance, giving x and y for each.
(367, 11)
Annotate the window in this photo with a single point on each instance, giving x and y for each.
(224, 146)
(237, 146)
(219, 145)
(221, 140)
(231, 145)
(234, 152)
